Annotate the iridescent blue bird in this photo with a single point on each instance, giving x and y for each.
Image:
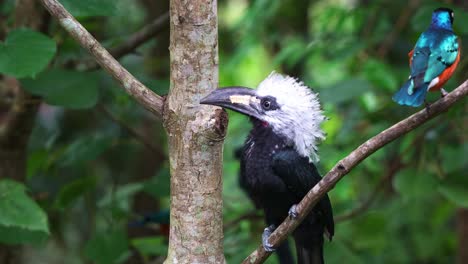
(432, 61)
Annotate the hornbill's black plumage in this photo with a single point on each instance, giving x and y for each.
(283, 252)
(277, 167)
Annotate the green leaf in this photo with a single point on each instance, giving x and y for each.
(21, 219)
(71, 89)
(344, 91)
(156, 246)
(108, 247)
(89, 8)
(72, 191)
(455, 189)
(25, 53)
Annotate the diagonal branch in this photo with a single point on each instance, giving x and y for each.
(251, 215)
(345, 165)
(144, 96)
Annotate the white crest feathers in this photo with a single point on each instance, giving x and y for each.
(299, 117)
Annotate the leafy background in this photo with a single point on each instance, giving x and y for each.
(90, 180)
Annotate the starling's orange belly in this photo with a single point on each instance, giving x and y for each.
(446, 74)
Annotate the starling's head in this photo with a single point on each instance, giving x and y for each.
(282, 102)
(442, 18)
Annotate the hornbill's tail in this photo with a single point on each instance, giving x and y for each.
(284, 253)
(309, 252)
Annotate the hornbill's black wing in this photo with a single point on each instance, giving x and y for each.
(300, 176)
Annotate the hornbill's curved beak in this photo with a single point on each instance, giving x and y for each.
(240, 99)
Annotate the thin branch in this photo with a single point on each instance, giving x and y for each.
(146, 97)
(345, 165)
(145, 142)
(250, 215)
(141, 36)
(395, 166)
(134, 41)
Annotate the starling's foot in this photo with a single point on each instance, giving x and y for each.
(265, 236)
(443, 93)
(427, 106)
(293, 211)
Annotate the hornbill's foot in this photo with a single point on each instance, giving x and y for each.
(293, 211)
(265, 236)
(443, 93)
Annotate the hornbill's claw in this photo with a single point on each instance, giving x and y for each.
(265, 236)
(293, 211)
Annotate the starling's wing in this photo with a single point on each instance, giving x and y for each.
(443, 54)
(434, 52)
(419, 64)
(300, 176)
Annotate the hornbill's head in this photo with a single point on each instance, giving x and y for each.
(285, 104)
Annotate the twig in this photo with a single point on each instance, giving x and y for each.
(145, 96)
(141, 36)
(395, 166)
(131, 131)
(132, 42)
(254, 214)
(344, 166)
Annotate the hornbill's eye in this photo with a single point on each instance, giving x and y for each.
(266, 104)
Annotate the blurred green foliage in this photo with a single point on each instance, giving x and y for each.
(25, 53)
(89, 172)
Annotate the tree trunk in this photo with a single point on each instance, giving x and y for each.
(462, 231)
(196, 135)
(18, 110)
(15, 128)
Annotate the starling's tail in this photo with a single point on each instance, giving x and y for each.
(415, 99)
(310, 252)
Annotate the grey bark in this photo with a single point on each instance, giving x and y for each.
(196, 135)
(462, 232)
